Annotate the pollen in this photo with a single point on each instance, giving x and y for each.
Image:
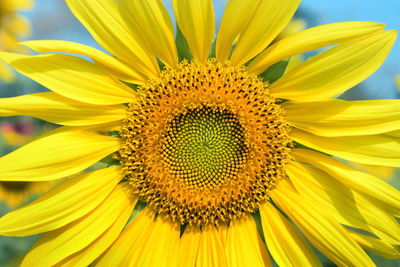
(205, 143)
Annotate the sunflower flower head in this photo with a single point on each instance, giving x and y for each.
(12, 27)
(219, 155)
(196, 142)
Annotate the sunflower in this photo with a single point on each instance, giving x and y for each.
(12, 27)
(220, 161)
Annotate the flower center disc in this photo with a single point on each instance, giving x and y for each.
(204, 147)
(205, 143)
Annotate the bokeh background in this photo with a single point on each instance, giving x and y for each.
(51, 19)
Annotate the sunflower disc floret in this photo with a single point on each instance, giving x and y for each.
(205, 143)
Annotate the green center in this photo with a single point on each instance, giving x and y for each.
(204, 147)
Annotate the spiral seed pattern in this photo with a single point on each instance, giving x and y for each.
(205, 143)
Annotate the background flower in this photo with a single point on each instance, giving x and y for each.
(13, 27)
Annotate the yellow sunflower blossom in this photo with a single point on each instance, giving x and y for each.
(223, 163)
(398, 82)
(12, 27)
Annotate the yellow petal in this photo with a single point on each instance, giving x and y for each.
(71, 77)
(86, 256)
(185, 251)
(103, 20)
(244, 246)
(61, 205)
(337, 117)
(293, 62)
(6, 74)
(284, 242)
(9, 41)
(366, 184)
(294, 26)
(17, 4)
(110, 63)
(196, 21)
(323, 231)
(20, 26)
(223, 230)
(58, 154)
(149, 21)
(347, 206)
(145, 242)
(376, 245)
(367, 149)
(54, 246)
(211, 249)
(237, 15)
(200, 248)
(60, 110)
(268, 21)
(311, 39)
(155, 248)
(394, 134)
(383, 172)
(336, 70)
